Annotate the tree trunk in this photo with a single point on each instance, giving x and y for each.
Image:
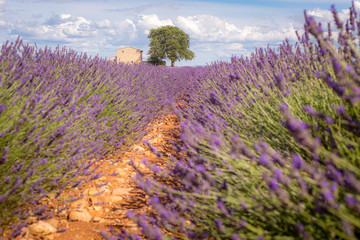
(172, 63)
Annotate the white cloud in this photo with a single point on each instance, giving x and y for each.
(2, 7)
(204, 47)
(210, 28)
(213, 51)
(61, 28)
(357, 5)
(235, 46)
(60, 19)
(123, 30)
(321, 13)
(102, 24)
(78, 28)
(111, 32)
(233, 49)
(65, 16)
(326, 16)
(147, 22)
(3, 10)
(212, 36)
(3, 24)
(207, 27)
(191, 25)
(36, 32)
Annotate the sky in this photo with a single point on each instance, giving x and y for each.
(218, 29)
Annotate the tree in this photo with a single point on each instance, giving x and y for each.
(156, 61)
(169, 42)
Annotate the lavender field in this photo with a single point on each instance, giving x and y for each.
(270, 144)
(60, 109)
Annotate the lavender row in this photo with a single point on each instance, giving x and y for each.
(270, 146)
(60, 109)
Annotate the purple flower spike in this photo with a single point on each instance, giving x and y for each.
(338, 22)
(2, 108)
(264, 160)
(328, 196)
(350, 201)
(273, 185)
(310, 110)
(284, 106)
(297, 161)
(235, 237)
(4, 157)
(280, 83)
(279, 175)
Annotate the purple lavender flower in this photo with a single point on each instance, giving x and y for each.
(350, 201)
(2, 108)
(4, 157)
(273, 185)
(338, 22)
(297, 161)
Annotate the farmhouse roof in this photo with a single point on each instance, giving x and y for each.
(130, 47)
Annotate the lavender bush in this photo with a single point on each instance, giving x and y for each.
(271, 146)
(59, 109)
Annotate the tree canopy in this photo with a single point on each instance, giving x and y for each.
(169, 42)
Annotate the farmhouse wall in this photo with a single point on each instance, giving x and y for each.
(127, 55)
(113, 59)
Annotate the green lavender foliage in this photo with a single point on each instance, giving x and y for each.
(60, 109)
(271, 146)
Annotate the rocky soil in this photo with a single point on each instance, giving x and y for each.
(103, 203)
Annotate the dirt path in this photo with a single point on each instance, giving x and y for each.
(106, 200)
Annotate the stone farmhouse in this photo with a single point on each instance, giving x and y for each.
(127, 55)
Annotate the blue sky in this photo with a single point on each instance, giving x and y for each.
(217, 29)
